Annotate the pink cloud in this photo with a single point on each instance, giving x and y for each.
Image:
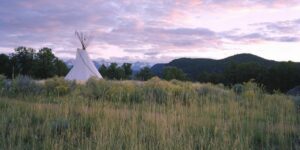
(151, 28)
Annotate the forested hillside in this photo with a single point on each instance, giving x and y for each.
(238, 69)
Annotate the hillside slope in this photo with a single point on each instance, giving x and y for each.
(193, 67)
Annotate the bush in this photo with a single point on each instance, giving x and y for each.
(58, 86)
(208, 89)
(253, 90)
(238, 89)
(59, 126)
(24, 85)
(157, 90)
(2, 78)
(124, 92)
(2, 83)
(96, 89)
(297, 102)
(7, 86)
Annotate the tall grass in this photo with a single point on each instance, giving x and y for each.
(147, 115)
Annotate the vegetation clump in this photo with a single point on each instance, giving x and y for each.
(2, 82)
(238, 89)
(156, 114)
(24, 85)
(58, 86)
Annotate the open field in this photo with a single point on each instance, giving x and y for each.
(145, 115)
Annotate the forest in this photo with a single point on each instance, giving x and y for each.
(271, 75)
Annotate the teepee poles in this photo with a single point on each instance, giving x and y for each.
(83, 38)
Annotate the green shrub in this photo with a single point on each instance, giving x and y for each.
(238, 89)
(2, 78)
(24, 85)
(58, 86)
(124, 91)
(115, 91)
(253, 90)
(209, 90)
(2, 83)
(59, 126)
(96, 89)
(157, 90)
(297, 102)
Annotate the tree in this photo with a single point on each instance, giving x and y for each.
(283, 76)
(4, 64)
(144, 74)
(239, 73)
(120, 74)
(23, 61)
(127, 70)
(44, 64)
(103, 70)
(112, 71)
(39, 65)
(170, 73)
(12, 66)
(61, 68)
(211, 77)
(115, 72)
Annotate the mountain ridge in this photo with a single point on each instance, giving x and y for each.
(195, 66)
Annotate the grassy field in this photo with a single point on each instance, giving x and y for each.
(155, 114)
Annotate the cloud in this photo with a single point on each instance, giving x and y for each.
(287, 26)
(243, 3)
(257, 37)
(288, 39)
(151, 53)
(139, 28)
(280, 31)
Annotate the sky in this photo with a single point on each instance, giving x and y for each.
(154, 31)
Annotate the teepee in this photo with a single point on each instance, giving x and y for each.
(83, 67)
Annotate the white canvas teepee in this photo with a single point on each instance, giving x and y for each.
(83, 67)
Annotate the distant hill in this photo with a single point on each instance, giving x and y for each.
(195, 66)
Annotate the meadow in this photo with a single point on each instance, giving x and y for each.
(156, 114)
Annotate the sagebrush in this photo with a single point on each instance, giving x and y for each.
(155, 114)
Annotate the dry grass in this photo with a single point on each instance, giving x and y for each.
(152, 115)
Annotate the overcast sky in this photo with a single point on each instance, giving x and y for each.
(154, 30)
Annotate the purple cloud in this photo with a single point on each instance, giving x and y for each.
(142, 28)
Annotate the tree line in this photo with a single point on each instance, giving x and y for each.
(40, 64)
(282, 76)
(43, 64)
(124, 72)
